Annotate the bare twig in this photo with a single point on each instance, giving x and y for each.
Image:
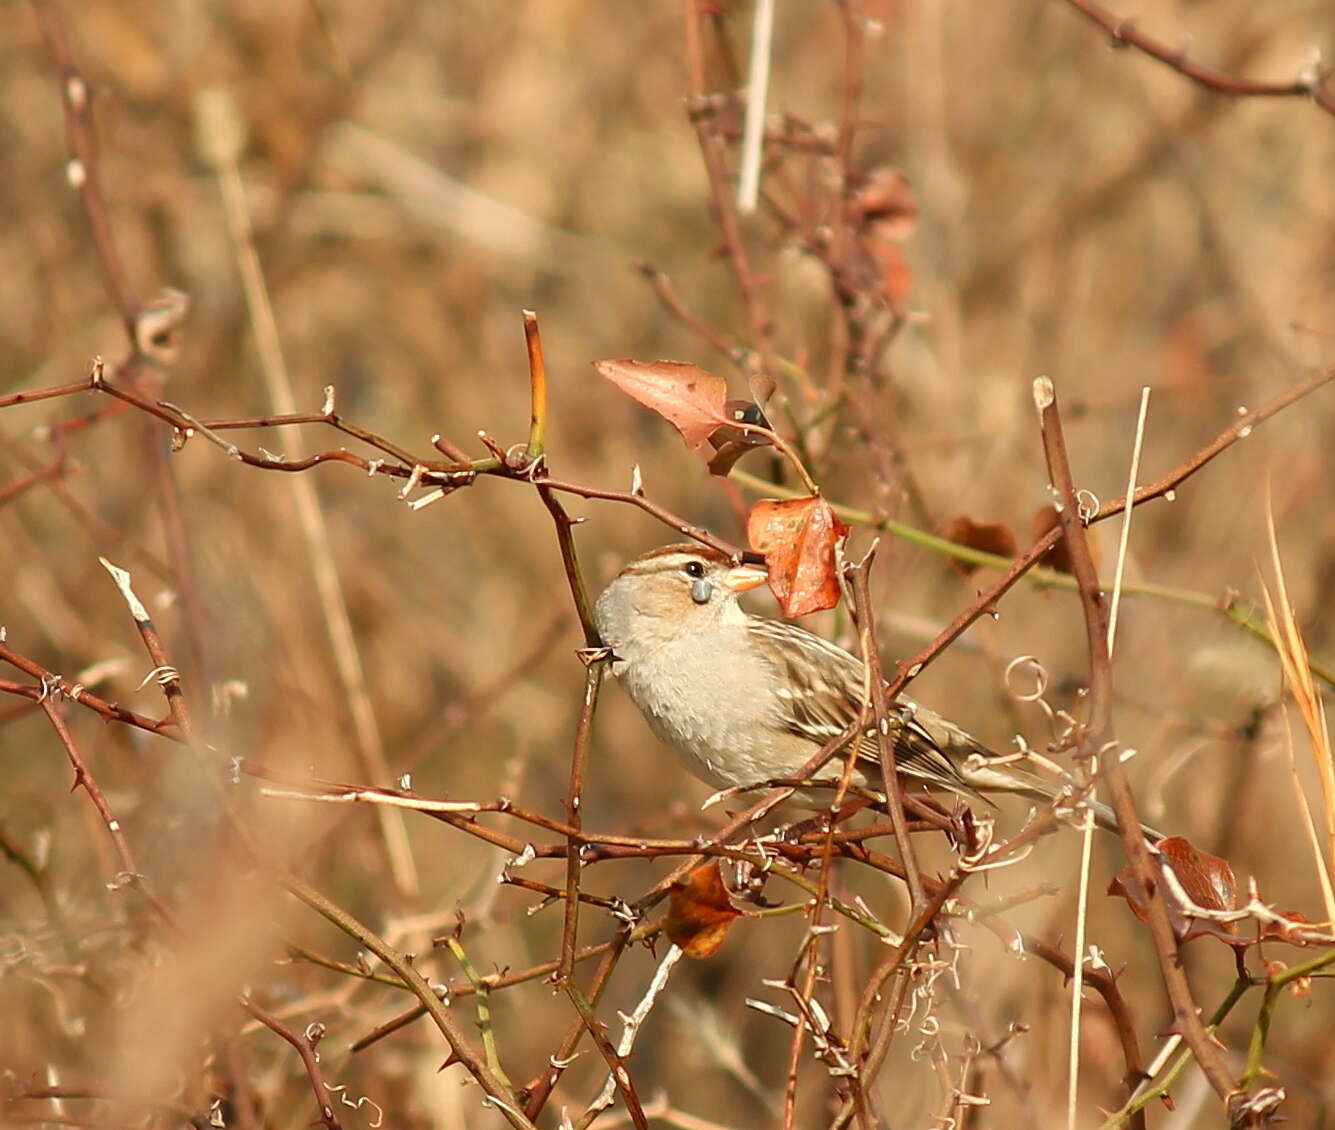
(1310, 83)
(537, 374)
(537, 1092)
(305, 1047)
(578, 757)
(129, 875)
(461, 1048)
(725, 215)
(620, 1076)
(671, 301)
(483, 993)
(53, 470)
(83, 171)
(633, 1023)
(166, 676)
(1097, 739)
(885, 731)
(1104, 982)
(48, 680)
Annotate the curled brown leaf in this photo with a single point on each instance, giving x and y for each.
(700, 911)
(990, 537)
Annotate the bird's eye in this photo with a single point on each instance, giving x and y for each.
(693, 569)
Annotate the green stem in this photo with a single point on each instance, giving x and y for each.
(499, 1093)
(1169, 1077)
(1275, 985)
(483, 1010)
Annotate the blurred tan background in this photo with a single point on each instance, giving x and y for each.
(418, 173)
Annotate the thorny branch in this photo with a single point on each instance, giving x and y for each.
(1160, 488)
(83, 169)
(310, 1060)
(714, 154)
(1097, 740)
(871, 325)
(1311, 82)
(607, 850)
(859, 576)
(454, 474)
(129, 874)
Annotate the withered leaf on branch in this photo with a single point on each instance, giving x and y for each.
(730, 442)
(990, 537)
(686, 396)
(891, 269)
(700, 911)
(797, 538)
(882, 213)
(884, 202)
(1205, 879)
(1044, 519)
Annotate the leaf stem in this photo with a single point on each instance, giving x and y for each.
(537, 382)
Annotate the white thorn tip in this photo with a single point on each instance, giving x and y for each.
(122, 579)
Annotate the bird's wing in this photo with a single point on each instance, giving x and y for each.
(832, 683)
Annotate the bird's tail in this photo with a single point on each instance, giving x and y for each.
(1021, 782)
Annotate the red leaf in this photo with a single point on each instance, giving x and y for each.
(686, 396)
(797, 538)
(700, 911)
(884, 202)
(892, 271)
(1207, 880)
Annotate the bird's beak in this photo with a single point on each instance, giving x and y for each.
(740, 578)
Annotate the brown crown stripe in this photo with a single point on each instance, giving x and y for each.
(668, 555)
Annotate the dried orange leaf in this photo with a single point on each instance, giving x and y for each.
(990, 537)
(884, 202)
(797, 538)
(1205, 879)
(1045, 517)
(700, 911)
(892, 269)
(686, 396)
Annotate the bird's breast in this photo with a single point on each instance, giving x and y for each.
(687, 693)
(710, 711)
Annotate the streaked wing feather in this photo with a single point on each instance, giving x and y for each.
(834, 680)
(919, 753)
